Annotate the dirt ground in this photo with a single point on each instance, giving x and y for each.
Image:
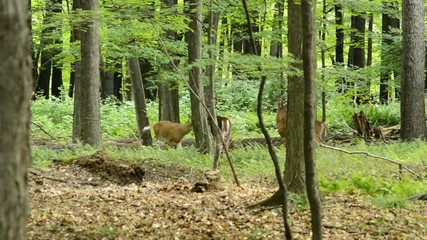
(99, 198)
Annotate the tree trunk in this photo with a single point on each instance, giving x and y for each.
(118, 80)
(370, 32)
(43, 79)
(57, 82)
(204, 141)
(210, 98)
(356, 56)
(309, 66)
(15, 96)
(76, 81)
(294, 165)
(107, 78)
(339, 46)
(389, 22)
(323, 60)
(139, 98)
(90, 86)
(169, 88)
(276, 47)
(150, 89)
(33, 52)
(412, 106)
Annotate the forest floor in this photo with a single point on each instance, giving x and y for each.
(95, 197)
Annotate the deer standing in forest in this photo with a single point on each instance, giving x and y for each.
(169, 132)
(320, 128)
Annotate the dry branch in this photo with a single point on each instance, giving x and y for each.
(372, 155)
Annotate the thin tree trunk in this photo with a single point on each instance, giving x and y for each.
(339, 46)
(57, 82)
(76, 81)
(309, 66)
(210, 98)
(139, 98)
(15, 96)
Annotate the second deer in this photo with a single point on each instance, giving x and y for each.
(281, 117)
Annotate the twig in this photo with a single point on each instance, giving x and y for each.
(371, 155)
(41, 128)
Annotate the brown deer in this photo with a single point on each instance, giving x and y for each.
(321, 129)
(169, 132)
(281, 119)
(224, 126)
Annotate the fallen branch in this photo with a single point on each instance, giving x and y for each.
(41, 128)
(421, 196)
(372, 155)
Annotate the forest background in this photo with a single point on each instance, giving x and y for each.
(359, 48)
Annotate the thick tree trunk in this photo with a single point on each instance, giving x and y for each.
(412, 106)
(90, 86)
(294, 165)
(204, 141)
(15, 94)
(139, 98)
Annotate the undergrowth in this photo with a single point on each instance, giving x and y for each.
(337, 171)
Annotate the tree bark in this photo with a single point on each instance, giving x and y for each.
(210, 97)
(169, 88)
(15, 96)
(139, 98)
(294, 166)
(389, 22)
(339, 45)
(75, 82)
(204, 141)
(309, 66)
(412, 106)
(90, 86)
(57, 82)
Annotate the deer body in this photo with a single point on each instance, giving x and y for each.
(320, 127)
(224, 126)
(281, 119)
(169, 132)
(321, 131)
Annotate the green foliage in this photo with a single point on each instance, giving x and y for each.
(341, 172)
(391, 201)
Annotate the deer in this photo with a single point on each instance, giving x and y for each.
(170, 132)
(320, 128)
(281, 119)
(224, 126)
